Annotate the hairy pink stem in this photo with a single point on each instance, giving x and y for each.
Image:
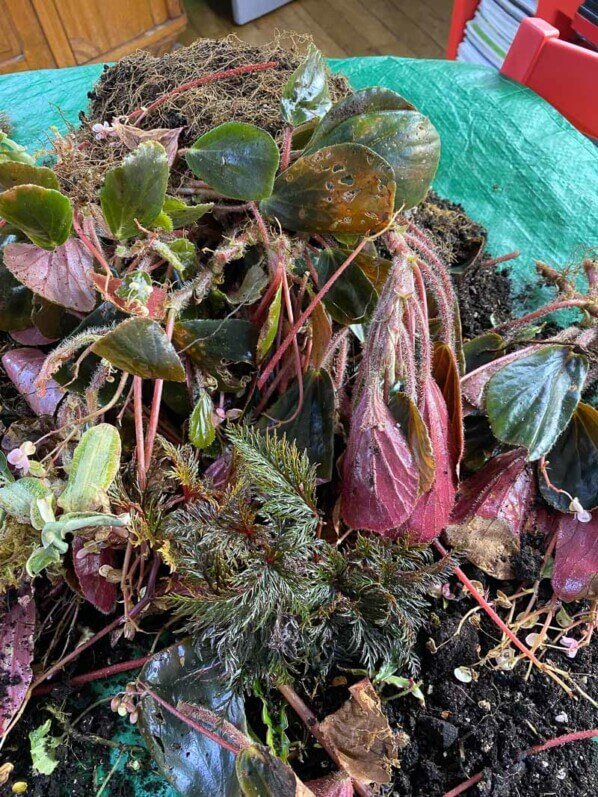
(91, 248)
(515, 323)
(139, 435)
(286, 148)
(154, 418)
(306, 314)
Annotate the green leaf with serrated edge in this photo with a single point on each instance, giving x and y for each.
(186, 674)
(531, 400)
(181, 254)
(182, 214)
(346, 188)
(407, 140)
(305, 94)
(15, 302)
(135, 190)
(94, 466)
(42, 747)
(268, 331)
(312, 428)
(482, 350)
(352, 298)
(236, 159)
(43, 214)
(573, 462)
(18, 497)
(262, 774)
(201, 426)
(210, 342)
(253, 285)
(13, 173)
(163, 222)
(140, 347)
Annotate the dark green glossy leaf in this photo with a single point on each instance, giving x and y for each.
(192, 763)
(262, 774)
(573, 462)
(407, 140)
(135, 190)
(236, 159)
(481, 350)
(305, 94)
(182, 214)
(13, 173)
(346, 188)
(352, 298)
(15, 302)
(531, 400)
(212, 342)
(201, 426)
(140, 347)
(313, 427)
(268, 331)
(43, 214)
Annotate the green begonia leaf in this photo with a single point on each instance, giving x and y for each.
(43, 214)
(183, 215)
(13, 173)
(201, 426)
(236, 159)
(270, 328)
(211, 342)
(15, 302)
(352, 298)
(140, 347)
(305, 94)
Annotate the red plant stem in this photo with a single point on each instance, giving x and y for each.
(286, 148)
(494, 261)
(277, 356)
(537, 748)
(192, 84)
(188, 721)
(492, 614)
(310, 721)
(157, 400)
(90, 246)
(2, 223)
(95, 675)
(139, 435)
(514, 323)
(297, 353)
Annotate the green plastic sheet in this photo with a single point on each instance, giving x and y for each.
(514, 163)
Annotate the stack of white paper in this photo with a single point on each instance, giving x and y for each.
(489, 34)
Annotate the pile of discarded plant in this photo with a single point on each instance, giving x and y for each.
(251, 416)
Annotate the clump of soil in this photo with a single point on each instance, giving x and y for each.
(484, 292)
(139, 79)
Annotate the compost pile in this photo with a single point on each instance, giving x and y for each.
(290, 504)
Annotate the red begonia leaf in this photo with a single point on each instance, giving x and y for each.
(16, 651)
(332, 786)
(575, 574)
(95, 588)
(22, 366)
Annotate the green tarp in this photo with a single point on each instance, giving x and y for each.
(513, 162)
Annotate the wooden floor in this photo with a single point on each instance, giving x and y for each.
(410, 28)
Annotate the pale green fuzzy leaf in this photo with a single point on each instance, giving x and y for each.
(95, 464)
(18, 499)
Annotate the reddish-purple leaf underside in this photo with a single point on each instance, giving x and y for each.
(22, 367)
(96, 589)
(332, 786)
(61, 275)
(16, 652)
(380, 477)
(575, 574)
(30, 337)
(433, 509)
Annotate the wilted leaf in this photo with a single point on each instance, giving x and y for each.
(140, 347)
(490, 512)
(212, 342)
(132, 136)
(344, 188)
(236, 159)
(95, 588)
(13, 173)
(352, 298)
(192, 763)
(575, 574)
(183, 215)
(573, 462)
(321, 328)
(43, 214)
(531, 400)
(312, 429)
(62, 276)
(380, 476)
(117, 292)
(262, 774)
(22, 366)
(360, 734)
(409, 419)
(94, 466)
(405, 138)
(446, 373)
(16, 646)
(135, 190)
(268, 331)
(305, 94)
(15, 302)
(433, 509)
(201, 426)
